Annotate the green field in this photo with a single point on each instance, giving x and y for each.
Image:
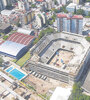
(22, 60)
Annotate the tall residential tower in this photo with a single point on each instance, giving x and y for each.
(1, 5)
(69, 23)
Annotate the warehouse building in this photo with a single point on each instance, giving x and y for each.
(5, 28)
(13, 49)
(25, 31)
(16, 45)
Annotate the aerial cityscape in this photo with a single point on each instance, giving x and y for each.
(44, 49)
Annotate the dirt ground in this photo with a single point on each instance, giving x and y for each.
(42, 86)
(64, 55)
(22, 91)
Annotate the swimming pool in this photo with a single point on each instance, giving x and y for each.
(9, 69)
(15, 73)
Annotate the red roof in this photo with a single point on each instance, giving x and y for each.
(77, 17)
(20, 38)
(47, 13)
(72, 17)
(1, 42)
(61, 15)
(40, 0)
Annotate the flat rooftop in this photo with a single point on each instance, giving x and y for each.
(4, 26)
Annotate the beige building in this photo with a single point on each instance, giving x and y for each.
(77, 1)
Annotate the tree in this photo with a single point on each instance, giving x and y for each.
(87, 0)
(5, 37)
(42, 33)
(77, 93)
(75, 10)
(88, 38)
(1, 61)
(63, 9)
(56, 10)
(80, 12)
(89, 13)
(33, 6)
(55, 1)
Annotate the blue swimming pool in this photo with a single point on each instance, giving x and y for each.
(9, 69)
(17, 74)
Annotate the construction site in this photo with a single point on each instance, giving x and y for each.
(60, 56)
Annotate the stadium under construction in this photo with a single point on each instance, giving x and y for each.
(61, 56)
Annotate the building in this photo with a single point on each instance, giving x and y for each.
(4, 4)
(62, 56)
(7, 2)
(23, 5)
(26, 17)
(16, 45)
(61, 93)
(12, 49)
(50, 4)
(78, 1)
(70, 23)
(62, 2)
(5, 28)
(1, 5)
(86, 8)
(31, 1)
(40, 19)
(25, 31)
(71, 7)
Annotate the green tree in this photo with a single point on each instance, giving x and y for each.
(1, 61)
(42, 33)
(75, 10)
(55, 1)
(88, 38)
(33, 6)
(89, 13)
(5, 37)
(63, 9)
(56, 10)
(77, 93)
(80, 12)
(87, 0)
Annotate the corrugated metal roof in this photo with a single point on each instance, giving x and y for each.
(21, 38)
(11, 48)
(24, 31)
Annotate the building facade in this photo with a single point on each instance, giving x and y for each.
(1, 5)
(23, 5)
(67, 23)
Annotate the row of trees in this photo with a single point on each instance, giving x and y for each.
(77, 93)
(81, 12)
(51, 20)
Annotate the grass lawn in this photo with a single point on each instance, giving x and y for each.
(22, 60)
(88, 39)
